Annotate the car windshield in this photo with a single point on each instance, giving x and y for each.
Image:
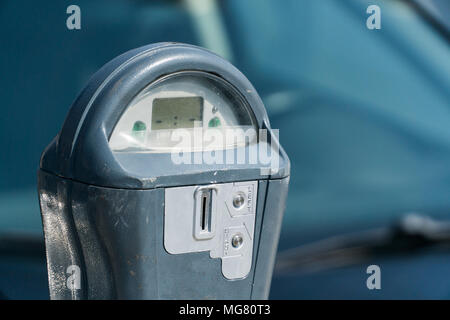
(363, 115)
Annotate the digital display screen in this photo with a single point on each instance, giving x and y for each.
(174, 113)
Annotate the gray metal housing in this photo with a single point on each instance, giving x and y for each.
(81, 152)
(106, 215)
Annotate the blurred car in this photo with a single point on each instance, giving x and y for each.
(363, 114)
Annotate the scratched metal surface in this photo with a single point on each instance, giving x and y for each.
(115, 236)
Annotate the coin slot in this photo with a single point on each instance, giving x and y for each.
(205, 219)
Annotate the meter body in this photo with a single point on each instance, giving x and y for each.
(162, 183)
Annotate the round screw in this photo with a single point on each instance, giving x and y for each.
(237, 241)
(238, 201)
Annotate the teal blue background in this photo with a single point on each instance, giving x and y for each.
(363, 114)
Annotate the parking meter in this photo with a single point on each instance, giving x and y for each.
(166, 181)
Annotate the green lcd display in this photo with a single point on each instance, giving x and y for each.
(174, 113)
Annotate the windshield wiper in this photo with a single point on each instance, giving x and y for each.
(22, 245)
(411, 234)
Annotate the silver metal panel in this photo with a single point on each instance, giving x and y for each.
(219, 218)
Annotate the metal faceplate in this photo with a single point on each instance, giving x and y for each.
(219, 218)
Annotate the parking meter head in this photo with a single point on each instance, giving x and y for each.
(165, 181)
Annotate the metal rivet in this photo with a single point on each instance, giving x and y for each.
(238, 201)
(237, 241)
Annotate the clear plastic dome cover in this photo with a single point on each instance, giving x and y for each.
(186, 111)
